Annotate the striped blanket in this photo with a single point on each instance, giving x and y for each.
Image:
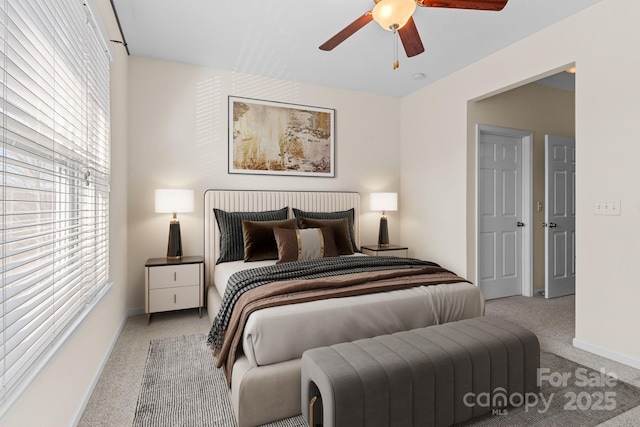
(311, 280)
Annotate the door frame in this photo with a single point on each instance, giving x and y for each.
(526, 138)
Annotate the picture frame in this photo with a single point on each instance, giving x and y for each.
(277, 138)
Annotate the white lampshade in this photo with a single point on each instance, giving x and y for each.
(174, 201)
(384, 201)
(392, 14)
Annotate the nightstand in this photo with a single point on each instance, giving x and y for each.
(385, 250)
(173, 284)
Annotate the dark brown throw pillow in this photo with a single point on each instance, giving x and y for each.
(349, 214)
(309, 243)
(340, 231)
(259, 241)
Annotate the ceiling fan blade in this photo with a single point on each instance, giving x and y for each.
(347, 31)
(465, 4)
(411, 39)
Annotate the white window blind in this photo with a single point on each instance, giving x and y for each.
(54, 171)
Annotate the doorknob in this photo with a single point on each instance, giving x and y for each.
(520, 224)
(552, 225)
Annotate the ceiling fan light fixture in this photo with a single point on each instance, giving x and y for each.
(393, 14)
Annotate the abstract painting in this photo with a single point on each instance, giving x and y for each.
(274, 138)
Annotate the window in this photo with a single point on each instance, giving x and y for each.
(54, 171)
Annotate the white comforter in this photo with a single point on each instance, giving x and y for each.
(278, 334)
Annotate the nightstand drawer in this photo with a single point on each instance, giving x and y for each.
(173, 284)
(171, 276)
(174, 298)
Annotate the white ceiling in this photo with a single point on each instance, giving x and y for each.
(280, 38)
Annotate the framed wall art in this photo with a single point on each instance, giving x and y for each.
(275, 138)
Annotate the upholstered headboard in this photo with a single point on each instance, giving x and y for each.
(257, 200)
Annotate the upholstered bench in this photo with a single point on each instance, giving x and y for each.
(434, 376)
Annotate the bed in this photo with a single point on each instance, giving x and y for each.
(264, 365)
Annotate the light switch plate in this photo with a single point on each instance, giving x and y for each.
(606, 207)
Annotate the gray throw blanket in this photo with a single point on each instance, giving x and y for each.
(245, 280)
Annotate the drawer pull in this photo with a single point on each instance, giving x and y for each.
(174, 298)
(174, 276)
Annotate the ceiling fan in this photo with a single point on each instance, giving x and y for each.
(397, 16)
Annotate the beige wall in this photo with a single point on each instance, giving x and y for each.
(178, 139)
(169, 129)
(602, 42)
(58, 395)
(533, 107)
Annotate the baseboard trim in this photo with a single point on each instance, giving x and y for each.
(103, 363)
(605, 352)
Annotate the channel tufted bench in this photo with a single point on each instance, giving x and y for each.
(433, 376)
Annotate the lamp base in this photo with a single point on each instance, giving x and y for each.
(174, 248)
(383, 233)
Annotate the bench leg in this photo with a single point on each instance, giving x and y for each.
(312, 416)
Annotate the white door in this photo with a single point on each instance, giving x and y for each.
(501, 212)
(560, 216)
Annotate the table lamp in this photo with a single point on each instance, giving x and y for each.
(174, 201)
(384, 202)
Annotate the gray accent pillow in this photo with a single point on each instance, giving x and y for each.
(349, 214)
(230, 226)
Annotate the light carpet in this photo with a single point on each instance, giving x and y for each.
(182, 387)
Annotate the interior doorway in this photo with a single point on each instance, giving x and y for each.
(560, 216)
(504, 241)
(547, 108)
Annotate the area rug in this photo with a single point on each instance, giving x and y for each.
(182, 387)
